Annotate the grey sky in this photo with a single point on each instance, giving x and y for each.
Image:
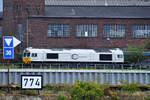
(1, 5)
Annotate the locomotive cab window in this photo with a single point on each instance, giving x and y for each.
(34, 54)
(52, 56)
(120, 56)
(26, 55)
(106, 57)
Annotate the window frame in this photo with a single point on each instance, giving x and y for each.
(64, 30)
(136, 27)
(113, 34)
(86, 28)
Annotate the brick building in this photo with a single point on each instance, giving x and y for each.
(76, 23)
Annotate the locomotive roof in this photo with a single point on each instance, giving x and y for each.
(54, 50)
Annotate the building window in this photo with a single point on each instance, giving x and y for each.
(86, 30)
(113, 31)
(20, 32)
(140, 31)
(58, 30)
(0, 30)
(38, 8)
(19, 8)
(28, 9)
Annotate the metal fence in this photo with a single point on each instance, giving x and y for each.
(69, 76)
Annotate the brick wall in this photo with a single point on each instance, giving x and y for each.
(38, 34)
(14, 13)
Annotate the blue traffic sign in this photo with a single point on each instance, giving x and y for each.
(7, 41)
(8, 53)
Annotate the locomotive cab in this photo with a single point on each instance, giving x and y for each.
(26, 56)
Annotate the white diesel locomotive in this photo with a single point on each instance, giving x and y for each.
(73, 55)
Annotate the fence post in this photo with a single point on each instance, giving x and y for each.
(122, 66)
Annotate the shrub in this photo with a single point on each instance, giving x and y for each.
(86, 90)
(1, 91)
(147, 98)
(147, 44)
(114, 95)
(130, 87)
(61, 96)
(134, 54)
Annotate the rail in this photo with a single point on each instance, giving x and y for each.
(74, 66)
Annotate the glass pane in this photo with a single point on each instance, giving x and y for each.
(114, 30)
(86, 30)
(140, 31)
(58, 30)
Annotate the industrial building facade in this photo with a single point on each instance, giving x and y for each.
(76, 23)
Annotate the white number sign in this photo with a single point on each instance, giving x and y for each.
(31, 82)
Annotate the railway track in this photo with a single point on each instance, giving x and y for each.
(74, 66)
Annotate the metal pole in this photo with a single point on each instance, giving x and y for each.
(27, 32)
(8, 77)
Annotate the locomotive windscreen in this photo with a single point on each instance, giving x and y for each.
(106, 57)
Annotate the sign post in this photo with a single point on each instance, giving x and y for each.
(9, 42)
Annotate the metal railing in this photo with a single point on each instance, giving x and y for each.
(74, 66)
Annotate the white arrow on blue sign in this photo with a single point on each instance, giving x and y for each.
(9, 42)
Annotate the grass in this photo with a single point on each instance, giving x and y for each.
(62, 91)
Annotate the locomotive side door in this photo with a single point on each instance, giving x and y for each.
(94, 57)
(41, 56)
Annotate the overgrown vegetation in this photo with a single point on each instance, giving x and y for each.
(147, 98)
(61, 96)
(29, 92)
(85, 90)
(134, 54)
(1, 91)
(57, 87)
(147, 44)
(114, 95)
(130, 87)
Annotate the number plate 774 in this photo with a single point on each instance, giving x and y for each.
(31, 82)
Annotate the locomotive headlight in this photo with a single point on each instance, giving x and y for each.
(26, 59)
